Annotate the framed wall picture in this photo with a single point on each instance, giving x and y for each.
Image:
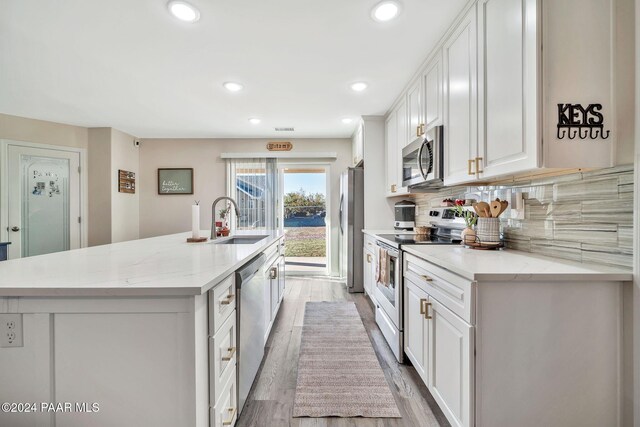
(175, 181)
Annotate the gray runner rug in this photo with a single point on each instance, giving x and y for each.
(338, 372)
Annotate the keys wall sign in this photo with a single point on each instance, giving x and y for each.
(576, 121)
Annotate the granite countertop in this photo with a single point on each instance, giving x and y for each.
(513, 265)
(165, 265)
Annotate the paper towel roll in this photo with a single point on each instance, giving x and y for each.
(195, 221)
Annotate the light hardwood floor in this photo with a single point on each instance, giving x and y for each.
(270, 401)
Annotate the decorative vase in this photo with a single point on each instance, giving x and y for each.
(488, 231)
(468, 236)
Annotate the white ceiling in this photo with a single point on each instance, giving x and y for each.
(131, 65)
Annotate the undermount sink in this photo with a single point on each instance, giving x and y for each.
(239, 240)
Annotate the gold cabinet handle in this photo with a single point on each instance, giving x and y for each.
(369, 258)
(229, 356)
(426, 311)
(478, 170)
(232, 414)
(421, 129)
(426, 278)
(469, 163)
(394, 188)
(422, 302)
(228, 299)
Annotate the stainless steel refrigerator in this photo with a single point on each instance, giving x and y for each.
(351, 225)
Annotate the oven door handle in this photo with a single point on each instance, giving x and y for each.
(420, 167)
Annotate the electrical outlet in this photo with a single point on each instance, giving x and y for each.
(11, 330)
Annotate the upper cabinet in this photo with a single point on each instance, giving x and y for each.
(357, 144)
(395, 140)
(432, 104)
(461, 102)
(414, 113)
(507, 88)
(509, 107)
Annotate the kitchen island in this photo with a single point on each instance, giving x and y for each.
(126, 334)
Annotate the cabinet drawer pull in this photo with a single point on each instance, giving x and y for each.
(232, 414)
(422, 302)
(478, 170)
(393, 188)
(426, 278)
(229, 356)
(426, 311)
(228, 299)
(369, 258)
(469, 163)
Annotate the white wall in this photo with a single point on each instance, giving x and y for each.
(164, 214)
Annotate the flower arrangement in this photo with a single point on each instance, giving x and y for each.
(469, 217)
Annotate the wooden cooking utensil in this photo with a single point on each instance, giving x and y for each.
(485, 209)
(478, 211)
(504, 204)
(496, 208)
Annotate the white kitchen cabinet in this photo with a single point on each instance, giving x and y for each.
(461, 104)
(450, 363)
(368, 261)
(395, 137)
(432, 81)
(392, 152)
(414, 113)
(507, 88)
(357, 143)
(416, 333)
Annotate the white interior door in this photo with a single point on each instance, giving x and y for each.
(43, 212)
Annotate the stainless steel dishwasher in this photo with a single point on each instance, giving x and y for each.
(250, 288)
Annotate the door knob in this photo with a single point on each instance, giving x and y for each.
(14, 228)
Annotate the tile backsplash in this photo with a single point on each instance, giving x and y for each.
(585, 216)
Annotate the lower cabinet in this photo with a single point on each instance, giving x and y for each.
(225, 413)
(438, 342)
(223, 337)
(416, 332)
(451, 360)
(369, 273)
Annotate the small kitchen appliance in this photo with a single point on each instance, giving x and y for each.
(405, 212)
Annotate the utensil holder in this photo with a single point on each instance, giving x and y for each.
(488, 230)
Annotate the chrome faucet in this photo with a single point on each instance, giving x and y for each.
(213, 214)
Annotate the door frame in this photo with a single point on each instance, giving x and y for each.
(4, 184)
(328, 223)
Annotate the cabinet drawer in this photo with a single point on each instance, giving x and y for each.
(222, 357)
(222, 301)
(225, 412)
(369, 243)
(454, 292)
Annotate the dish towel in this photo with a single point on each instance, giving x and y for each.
(382, 267)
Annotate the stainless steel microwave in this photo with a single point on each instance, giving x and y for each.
(423, 162)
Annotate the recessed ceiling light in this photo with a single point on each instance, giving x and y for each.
(385, 11)
(183, 11)
(233, 87)
(347, 120)
(359, 86)
(254, 121)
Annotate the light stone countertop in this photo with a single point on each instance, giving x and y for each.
(157, 266)
(512, 265)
